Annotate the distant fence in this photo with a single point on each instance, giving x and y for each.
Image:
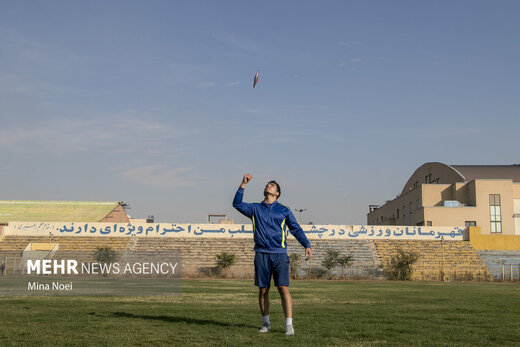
(503, 265)
(346, 232)
(508, 272)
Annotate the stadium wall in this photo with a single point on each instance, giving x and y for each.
(500, 253)
(333, 232)
(200, 243)
(493, 241)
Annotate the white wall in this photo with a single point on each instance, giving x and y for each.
(352, 232)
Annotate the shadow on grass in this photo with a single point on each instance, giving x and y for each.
(173, 319)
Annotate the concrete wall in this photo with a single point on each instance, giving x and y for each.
(503, 265)
(482, 241)
(313, 232)
(451, 215)
(516, 215)
(435, 194)
(505, 189)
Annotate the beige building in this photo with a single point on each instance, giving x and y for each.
(437, 194)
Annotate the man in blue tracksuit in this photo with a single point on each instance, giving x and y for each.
(270, 222)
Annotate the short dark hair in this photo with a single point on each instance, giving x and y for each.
(277, 187)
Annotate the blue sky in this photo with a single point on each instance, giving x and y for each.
(152, 102)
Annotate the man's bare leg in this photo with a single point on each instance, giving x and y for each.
(287, 308)
(286, 300)
(263, 300)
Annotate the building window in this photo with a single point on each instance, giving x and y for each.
(411, 214)
(418, 204)
(429, 223)
(495, 213)
(397, 214)
(404, 215)
(470, 223)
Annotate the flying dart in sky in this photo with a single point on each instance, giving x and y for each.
(256, 78)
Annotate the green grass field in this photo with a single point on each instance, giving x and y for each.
(225, 312)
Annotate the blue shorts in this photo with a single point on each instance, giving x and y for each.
(271, 264)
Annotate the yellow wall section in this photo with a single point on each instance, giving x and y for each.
(42, 246)
(493, 242)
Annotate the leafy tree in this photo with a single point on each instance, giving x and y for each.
(105, 254)
(331, 259)
(400, 267)
(224, 262)
(345, 261)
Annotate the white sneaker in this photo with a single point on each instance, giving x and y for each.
(265, 328)
(289, 330)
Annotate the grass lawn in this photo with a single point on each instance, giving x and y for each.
(225, 312)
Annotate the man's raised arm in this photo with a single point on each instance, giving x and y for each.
(243, 207)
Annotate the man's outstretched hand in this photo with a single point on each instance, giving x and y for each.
(308, 254)
(246, 179)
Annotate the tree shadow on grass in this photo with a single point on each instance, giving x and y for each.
(173, 319)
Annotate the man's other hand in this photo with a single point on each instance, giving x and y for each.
(308, 254)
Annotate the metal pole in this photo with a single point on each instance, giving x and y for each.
(442, 264)
(511, 273)
(503, 273)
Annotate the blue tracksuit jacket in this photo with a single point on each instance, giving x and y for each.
(270, 223)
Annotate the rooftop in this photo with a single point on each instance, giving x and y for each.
(54, 211)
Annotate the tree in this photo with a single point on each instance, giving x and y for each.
(105, 254)
(400, 267)
(330, 260)
(224, 261)
(294, 264)
(345, 261)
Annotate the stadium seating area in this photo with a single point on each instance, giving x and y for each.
(502, 264)
(198, 255)
(365, 258)
(79, 248)
(458, 260)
